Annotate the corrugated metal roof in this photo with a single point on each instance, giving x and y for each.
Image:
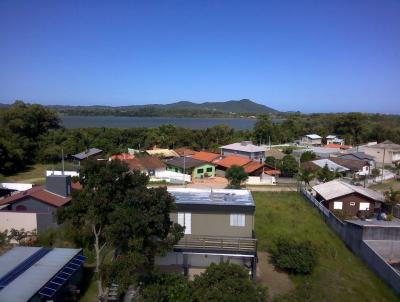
(212, 197)
(87, 153)
(336, 188)
(245, 146)
(313, 136)
(26, 285)
(332, 166)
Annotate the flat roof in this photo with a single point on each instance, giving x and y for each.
(212, 196)
(245, 146)
(26, 285)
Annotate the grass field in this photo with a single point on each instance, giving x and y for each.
(395, 184)
(339, 275)
(35, 174)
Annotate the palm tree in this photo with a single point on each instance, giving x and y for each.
(306, 175)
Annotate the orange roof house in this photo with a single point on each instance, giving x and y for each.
(206, 156)
(254, 168)
(232, 160)
(122, 156)
(185, 151)
(343, 147)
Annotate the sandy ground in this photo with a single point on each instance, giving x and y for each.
(277, 282)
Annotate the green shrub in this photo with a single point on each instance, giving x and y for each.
(389, 217)
(295, 257)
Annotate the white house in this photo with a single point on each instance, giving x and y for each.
(311, 139)
(333, 139)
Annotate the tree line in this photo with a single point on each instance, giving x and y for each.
(34, 134)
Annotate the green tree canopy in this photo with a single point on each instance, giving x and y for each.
(307, 156)
(226, 282)
(236, 176)
(118, 212)
(289, 166)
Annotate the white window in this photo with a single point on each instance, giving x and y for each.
(364, 206)
(238, 220)
(352, 203)
(185, 219)
(337, 205)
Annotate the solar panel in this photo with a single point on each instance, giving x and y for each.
(22, 267)
(53, 286)
(58, 280)
(47, 292)
(62, 276)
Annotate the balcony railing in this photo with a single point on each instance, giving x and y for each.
(228, 244)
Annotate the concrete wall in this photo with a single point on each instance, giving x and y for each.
(18, 221)
(27, 221)
(358, 239)
(218, 224)
(378, 264)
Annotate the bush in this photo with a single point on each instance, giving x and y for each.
(295, 257)
(389, 217)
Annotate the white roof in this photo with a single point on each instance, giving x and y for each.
(245, 146)
(331, 136)
(331, 165)
(336, 188)
(313, 136)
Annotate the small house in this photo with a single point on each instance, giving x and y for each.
(35, 208)
(333, 139)
(194, 167)
(244, 149)
(311, 140)
(349, 199)
(92, 153)
(149, 165)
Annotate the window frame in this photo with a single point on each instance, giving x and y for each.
(237, 220)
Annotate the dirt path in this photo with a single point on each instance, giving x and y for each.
(277, 282)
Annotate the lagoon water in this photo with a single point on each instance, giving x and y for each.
(132, 122)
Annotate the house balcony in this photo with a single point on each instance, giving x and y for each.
(215, 244)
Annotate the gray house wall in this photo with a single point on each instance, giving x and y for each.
(251, 155)
(217, 224)
(33, 205)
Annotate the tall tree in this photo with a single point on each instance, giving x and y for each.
(392, 198)
(307, 156)
(110, 198)
(263, 129)
(289, 166)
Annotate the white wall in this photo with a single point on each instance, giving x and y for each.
(263, 180)
(70, 173)
(16, 186)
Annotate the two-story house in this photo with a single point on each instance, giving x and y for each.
(219, 227)
(311, 140)
(333, 139)
(244, 149)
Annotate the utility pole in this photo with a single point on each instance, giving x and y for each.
(62, 160)
(383, 164)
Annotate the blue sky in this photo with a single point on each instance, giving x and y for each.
(312, 56)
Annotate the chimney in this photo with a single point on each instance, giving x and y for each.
(59, 184)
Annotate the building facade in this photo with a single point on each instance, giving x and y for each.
(244, 149)
(219, 227)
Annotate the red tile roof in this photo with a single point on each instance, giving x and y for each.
(38, 193)
(344, 147)
(232, 160)
(205, 156)
(145, 163)
(252, 166)
(273, 172)
(185, 151)
(122, 156)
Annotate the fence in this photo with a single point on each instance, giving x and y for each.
(356, 237)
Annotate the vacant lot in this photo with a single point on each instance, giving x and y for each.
(339, 275)
(385, 186)
(35, 174)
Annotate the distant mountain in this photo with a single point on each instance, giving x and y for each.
(244, 106)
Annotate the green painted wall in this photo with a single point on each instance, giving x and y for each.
(196, 172)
